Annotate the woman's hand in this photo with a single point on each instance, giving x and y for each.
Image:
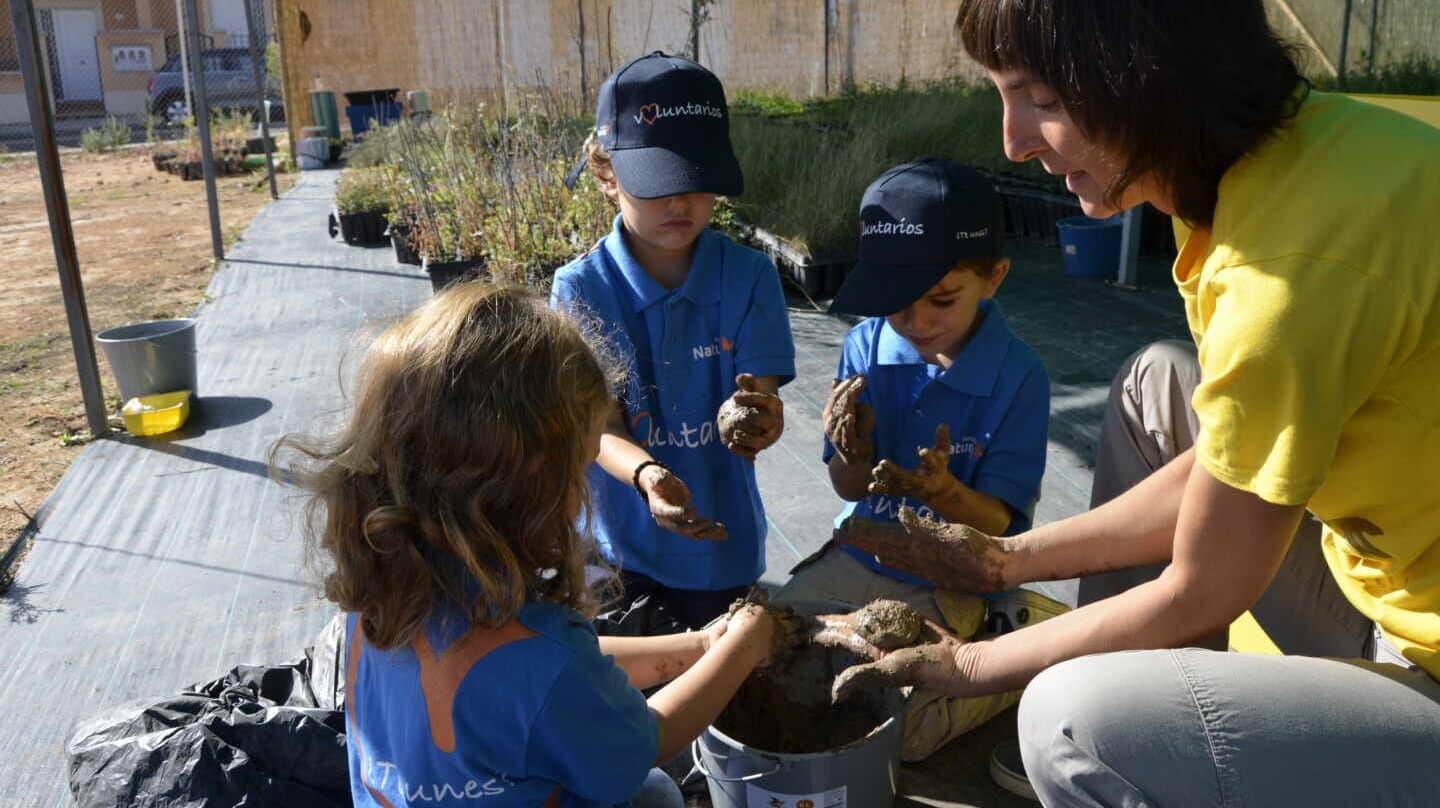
(848, 422)
(934, 666)
(951, 556)
(751, 420)
(672, 508)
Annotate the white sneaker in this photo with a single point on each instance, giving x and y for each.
(1007, 769)
(1016, 609)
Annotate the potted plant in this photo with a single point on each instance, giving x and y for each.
(162, 159)
(402, 226)
(361, 202)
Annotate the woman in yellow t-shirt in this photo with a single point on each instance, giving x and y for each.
(1310, 271)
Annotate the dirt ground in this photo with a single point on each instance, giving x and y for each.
(143, 239)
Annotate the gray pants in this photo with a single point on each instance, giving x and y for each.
(1198, 727)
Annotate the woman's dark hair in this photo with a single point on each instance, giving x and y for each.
(1182, 89)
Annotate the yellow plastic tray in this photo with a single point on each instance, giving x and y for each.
(156, 414)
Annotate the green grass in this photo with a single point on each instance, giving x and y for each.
(109, 137)
(806, 164)
(1416, 75)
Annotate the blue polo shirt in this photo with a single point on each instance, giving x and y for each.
(995, 397)
(685, 346)
(540, 716)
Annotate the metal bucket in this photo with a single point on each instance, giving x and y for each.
(861, 774)
(153, 357)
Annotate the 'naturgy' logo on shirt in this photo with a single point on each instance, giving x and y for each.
(714, 349)
(650, 113)
(968, 445)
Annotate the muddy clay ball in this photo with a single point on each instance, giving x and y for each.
(888, 624)
(732, 418)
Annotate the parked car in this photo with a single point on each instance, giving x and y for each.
(229, 84)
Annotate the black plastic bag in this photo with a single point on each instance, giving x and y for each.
(257, 737)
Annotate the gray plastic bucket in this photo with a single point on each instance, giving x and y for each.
(154, 357)
(862, 774)
(312, 153)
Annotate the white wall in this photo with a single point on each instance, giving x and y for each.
(13, 108)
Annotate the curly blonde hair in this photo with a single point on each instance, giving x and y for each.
(461, 473)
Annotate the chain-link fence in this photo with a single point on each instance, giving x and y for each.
(1359, 38)
(118, 68)
(130, 164)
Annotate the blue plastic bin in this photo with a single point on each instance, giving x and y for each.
(1091, 247)
(361, 115)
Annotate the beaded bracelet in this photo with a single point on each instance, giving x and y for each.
(635, 480)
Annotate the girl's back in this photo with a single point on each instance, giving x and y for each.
(499, 715)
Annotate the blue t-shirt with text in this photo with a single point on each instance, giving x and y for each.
(995, 397)
(543, 717)
(685, 347)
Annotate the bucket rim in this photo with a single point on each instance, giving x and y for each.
(781, 757)
(819, 607)
(178, 323)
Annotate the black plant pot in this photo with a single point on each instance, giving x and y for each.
(404, 250)
(442, 275)
(256, 145)
(192, 170)
(162, 159)
(364, 229)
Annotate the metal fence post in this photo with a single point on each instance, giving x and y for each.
(1344, 43)
(57, 207)
(1128, 274)
(263, 109)
(202, 122)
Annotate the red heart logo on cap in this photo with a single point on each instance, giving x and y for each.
(649, 113)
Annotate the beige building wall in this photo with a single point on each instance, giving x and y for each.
(126, 92)
(492, 49)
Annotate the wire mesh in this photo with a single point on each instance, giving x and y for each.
(116, 64)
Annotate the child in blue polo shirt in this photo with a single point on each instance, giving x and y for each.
(448, 509)
(937, 406)
(703, 321)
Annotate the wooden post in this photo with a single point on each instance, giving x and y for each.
(292, 68)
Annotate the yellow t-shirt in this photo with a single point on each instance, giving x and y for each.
(1314, 301)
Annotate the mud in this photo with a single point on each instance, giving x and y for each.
(734, 417)
(899, 669)
(889, 624)
(787, 707)
(952, 556)
(789, 628)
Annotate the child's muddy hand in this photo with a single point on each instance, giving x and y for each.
(757, 628)
(751, 420)
(672, 508)
(714, 632)
(928, 667)
(849, 422)
(931, 478)
(951, 556)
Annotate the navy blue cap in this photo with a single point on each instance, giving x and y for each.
(665, 122)
(917, 221)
